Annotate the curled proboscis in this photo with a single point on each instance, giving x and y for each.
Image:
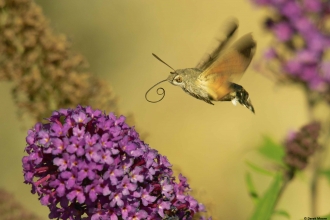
(160, 91)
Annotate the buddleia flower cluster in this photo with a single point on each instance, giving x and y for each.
(85, 164)
(301, 145)
(300, 50)
(45, 73)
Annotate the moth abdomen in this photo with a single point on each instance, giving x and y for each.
(240, 95)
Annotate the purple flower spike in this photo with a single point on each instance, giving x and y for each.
(301, 145)
(85, 163)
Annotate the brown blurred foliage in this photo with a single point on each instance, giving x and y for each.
(46, 74)
(12, 210)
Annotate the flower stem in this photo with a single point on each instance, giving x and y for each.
(287, 177)
(311, 102)
(314, 186)
(319, 158)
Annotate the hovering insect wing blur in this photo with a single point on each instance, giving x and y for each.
(214, 77)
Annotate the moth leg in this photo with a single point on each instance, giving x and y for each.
(207, 100)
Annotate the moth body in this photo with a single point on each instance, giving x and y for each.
(213, 77)
(188, 79)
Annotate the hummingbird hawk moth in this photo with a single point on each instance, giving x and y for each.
(214, 77)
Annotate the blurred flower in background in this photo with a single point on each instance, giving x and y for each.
(85, 162)
(12, 210)
(300, 51)
(46, 74)
(301, 145)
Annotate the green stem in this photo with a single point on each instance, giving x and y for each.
(287, 177)
(311, 102)
(319, 158)
(320, 154)
(314, 184)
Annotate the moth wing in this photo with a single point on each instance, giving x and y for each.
(222, 39)
(229, 67)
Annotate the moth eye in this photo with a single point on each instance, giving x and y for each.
(178, 79)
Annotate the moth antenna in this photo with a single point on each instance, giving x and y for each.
(162, 61)
(160, 91)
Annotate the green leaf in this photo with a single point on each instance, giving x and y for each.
(266, 205)
(325, 216)
(282, 213)
(251, 188)
(326, 173)
(272, 150)
(259, 169)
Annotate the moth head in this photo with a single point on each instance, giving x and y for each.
(176, 79)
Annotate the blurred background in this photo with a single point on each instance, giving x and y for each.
(208, 144)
